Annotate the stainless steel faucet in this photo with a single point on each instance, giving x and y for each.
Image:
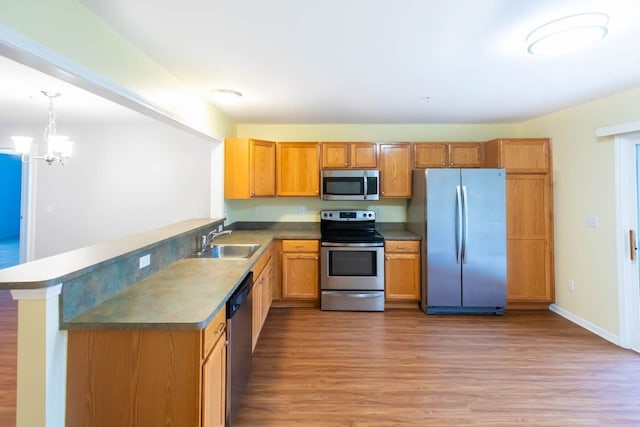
(208, 239)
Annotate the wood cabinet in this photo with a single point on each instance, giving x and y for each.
(447, 154)
(249, 168)
(300, 269)
(402, 270)
(526, 155)
(214, 372)
(134, 378)
(298, 169)
(395, 170)
(343, 155)
(262, 293)
(530, 275)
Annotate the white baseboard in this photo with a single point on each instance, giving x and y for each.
(585, 324)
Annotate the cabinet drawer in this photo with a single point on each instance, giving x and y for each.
(412, 246)
(300, 246)
(214, 331)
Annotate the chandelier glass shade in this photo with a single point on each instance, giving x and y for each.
(59, 147)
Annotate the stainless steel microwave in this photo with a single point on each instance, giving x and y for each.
(350, 184)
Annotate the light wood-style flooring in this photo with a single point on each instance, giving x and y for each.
(8, 358)
(404, 368)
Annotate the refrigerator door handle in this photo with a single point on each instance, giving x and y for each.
(465, 232)
(458, 225)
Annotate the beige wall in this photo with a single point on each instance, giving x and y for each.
(377, 132)
(583, 186)
(288, 209)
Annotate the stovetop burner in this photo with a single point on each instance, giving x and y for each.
(349, 226)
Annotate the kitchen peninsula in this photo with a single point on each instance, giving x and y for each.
(104, 289)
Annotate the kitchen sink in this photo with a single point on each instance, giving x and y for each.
(228, 251)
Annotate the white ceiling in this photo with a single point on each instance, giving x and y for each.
(22, 102)
(377, 61)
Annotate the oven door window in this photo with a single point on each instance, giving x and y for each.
(343, 186)
(352, 263)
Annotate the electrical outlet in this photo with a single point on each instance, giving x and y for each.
(145, 261)
(300, 210)
(572, 285)
(593, 221)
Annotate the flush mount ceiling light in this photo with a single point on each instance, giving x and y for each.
(225, 96)
(58, 146)
(568, 34)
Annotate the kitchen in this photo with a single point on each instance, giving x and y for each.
(577, 153)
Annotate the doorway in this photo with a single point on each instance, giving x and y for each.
(11, 196)
(627, 167)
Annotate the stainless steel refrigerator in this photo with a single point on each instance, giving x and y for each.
(461, 216)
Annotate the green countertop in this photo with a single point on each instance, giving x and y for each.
(190, 292)
(185, 295)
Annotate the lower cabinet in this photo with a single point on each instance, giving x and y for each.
(262, 294)
(402, 270)
(300, 268)
(130, 378)
(214, 372)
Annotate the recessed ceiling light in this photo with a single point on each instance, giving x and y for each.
(225, 96)
(568, 34)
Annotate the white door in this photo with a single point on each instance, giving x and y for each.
(628, 219)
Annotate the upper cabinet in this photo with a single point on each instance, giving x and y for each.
(447, 154)
(249, 168)
(343, 155)
(395, 170)
(519, 155)
(298, 169)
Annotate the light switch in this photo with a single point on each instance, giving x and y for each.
(593, 221)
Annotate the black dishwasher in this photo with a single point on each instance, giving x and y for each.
(239, 315)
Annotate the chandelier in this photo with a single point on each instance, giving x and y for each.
(58, 146)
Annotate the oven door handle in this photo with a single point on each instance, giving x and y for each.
(353, 245)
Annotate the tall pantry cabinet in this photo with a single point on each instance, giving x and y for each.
(530, 270)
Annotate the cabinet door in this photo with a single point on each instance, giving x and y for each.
(364, 155)
(213, 386)
(298, 169)
(529, 234)
(263, 163)
(395, 170)
(402, 276)
(465, 154)
(300, 275)
(527, 155)
(430, 155)
(335, 155)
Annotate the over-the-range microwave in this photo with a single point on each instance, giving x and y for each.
(350, 184)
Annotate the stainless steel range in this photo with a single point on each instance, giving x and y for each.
(351, 261)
